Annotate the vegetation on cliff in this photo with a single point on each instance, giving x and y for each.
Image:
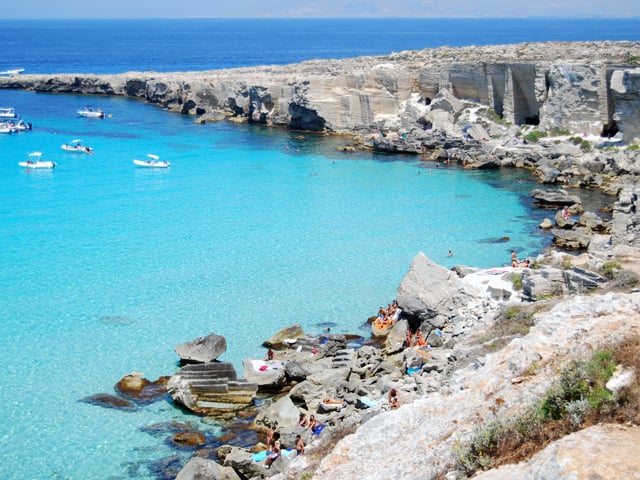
(580, 398)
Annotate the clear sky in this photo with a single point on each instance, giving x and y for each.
(11, 9)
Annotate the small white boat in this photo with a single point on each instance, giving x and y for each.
(12, 72)
(7, 128)
(21, 125)
(7, 112)
(153, 162)
(91, 112)
(35, 161)
(76, 146)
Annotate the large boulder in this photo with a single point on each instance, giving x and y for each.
(601, 451)
(555, 198)
(134, 386)
(538, 284)
(211, 388)
(203, 349)
(199, 468)
(575, 239)
(285, 337)
(269, 375)
(282, 413)
(429, 289)
(242, 462)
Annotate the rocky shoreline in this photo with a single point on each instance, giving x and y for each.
(468, 372)
(568, 112)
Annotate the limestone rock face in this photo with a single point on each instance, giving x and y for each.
(284, 337)
(203, 349)
(199, 468)
(282, 413)
(625, 93)
(268, 375)
(554, 197)
(500, 383)
(429, 289)
(602, 451)
(574, 100)
(211, 388)
(577, 86)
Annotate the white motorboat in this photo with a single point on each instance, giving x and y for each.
(153, 162)
(7, 127)
(7, 112)
(35, 161)
(76, 146)
(91, 112)
(21, 125)
(12, 72)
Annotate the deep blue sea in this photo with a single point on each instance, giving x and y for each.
(105, 267)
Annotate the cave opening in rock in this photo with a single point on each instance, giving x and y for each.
(609, 130)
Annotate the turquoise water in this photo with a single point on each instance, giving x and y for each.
(105, 267)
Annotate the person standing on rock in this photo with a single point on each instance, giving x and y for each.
(276, 450)
(269, 440)
(299, 445)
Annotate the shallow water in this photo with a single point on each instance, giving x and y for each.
(105, 267)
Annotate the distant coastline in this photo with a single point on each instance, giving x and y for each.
(206, 44)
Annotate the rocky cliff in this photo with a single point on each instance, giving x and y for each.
(582, 87)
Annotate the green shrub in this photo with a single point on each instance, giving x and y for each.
(617, 276)
(566, 263)
(534, 136)
(516, 279)
(609, 269)
(585, 146)
(491, 114)
(477, 455)
(559, 133)
(625, 279)
(578, 398)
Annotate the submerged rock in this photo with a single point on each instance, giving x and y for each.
(110, 401)
(137, 388)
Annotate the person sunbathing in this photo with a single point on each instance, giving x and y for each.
(393, 398)
(314, 425)
(302, 421)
